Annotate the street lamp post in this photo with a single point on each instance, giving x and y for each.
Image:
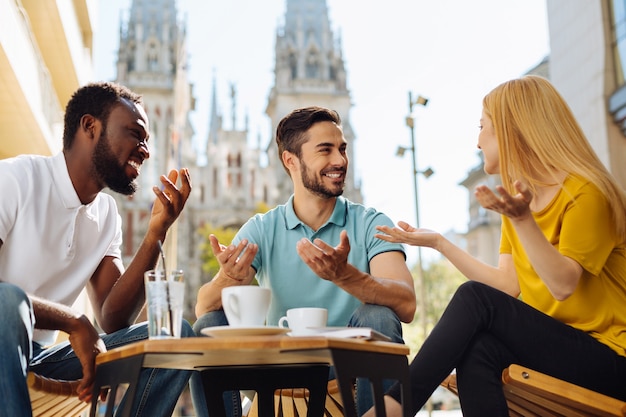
(410, 122)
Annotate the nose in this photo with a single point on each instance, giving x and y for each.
(143, 148)
(340, 158)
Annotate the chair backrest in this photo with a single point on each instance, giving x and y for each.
(529, 390)
(531, 393)
(54, 398)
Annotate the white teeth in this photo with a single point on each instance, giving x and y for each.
(333, 175)
(134, 164)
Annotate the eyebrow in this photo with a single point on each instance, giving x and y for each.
(325, 145)
(331, 144)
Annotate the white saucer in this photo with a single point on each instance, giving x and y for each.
(228, 331)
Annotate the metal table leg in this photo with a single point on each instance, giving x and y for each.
(265, 380)
(376, 367)
(111, 375)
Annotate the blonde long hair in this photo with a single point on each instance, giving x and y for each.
(538, 136)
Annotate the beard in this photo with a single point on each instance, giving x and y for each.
(316, 186)
(109, 171)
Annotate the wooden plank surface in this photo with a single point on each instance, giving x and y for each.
(568, 395)
(199, 352)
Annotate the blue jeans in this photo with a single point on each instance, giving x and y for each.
(157, 391)
(377, 317)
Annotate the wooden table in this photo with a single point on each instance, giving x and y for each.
(263, 364)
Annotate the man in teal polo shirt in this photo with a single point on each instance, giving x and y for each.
(317, 250)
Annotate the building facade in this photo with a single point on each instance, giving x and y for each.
(46, 52)
(587, 65)
(232, 185)
(309, 70)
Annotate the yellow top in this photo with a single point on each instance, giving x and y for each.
(578, 224)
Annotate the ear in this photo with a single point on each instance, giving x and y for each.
(291, 161)
(88, 125)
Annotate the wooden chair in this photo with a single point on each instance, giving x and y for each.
(293, 402)
(531, 393)
(53, 397)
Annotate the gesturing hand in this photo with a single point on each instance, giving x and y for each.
(515, 207)
(170, 200)
(405, 233)
(327, 262)
(235, 261)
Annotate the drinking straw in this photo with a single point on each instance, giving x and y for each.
(167, 288)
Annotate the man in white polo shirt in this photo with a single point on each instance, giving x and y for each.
(59, 234)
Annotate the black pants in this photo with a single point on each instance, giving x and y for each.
(484, 330)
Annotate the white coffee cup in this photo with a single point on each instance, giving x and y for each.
(246, 305)
(300, 320)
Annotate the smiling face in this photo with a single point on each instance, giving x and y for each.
(488, 144)
(323, 161)
(121, 148)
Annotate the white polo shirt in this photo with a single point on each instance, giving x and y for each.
(52, 244)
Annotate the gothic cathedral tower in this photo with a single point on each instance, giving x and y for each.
(309, 70)
(152, 61)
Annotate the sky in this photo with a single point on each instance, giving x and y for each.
(451, 51)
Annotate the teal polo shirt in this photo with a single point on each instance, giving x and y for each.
(279, 267)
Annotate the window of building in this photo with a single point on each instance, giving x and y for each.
(312, 65)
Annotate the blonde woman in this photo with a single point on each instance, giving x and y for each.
(555, 302)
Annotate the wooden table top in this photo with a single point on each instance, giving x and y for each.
(202, 352)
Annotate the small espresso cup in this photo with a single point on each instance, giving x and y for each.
(301, 320)
(246, 305)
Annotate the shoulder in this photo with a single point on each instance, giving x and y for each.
(23, 163)
(24, 170)
(270, 216)
(263, 221)
(365, 213)
(578, 185)
(582, 191)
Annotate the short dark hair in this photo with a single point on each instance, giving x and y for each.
(291, 130)
(96, 99)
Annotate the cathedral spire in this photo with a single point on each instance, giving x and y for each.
(306, 53)
(150, 43)
(233, 110)
(309, 70)
(215, 122)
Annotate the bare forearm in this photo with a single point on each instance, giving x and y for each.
(127, 296)
(54, 316)
(395, 294)
(476, 270)
(209, 297)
